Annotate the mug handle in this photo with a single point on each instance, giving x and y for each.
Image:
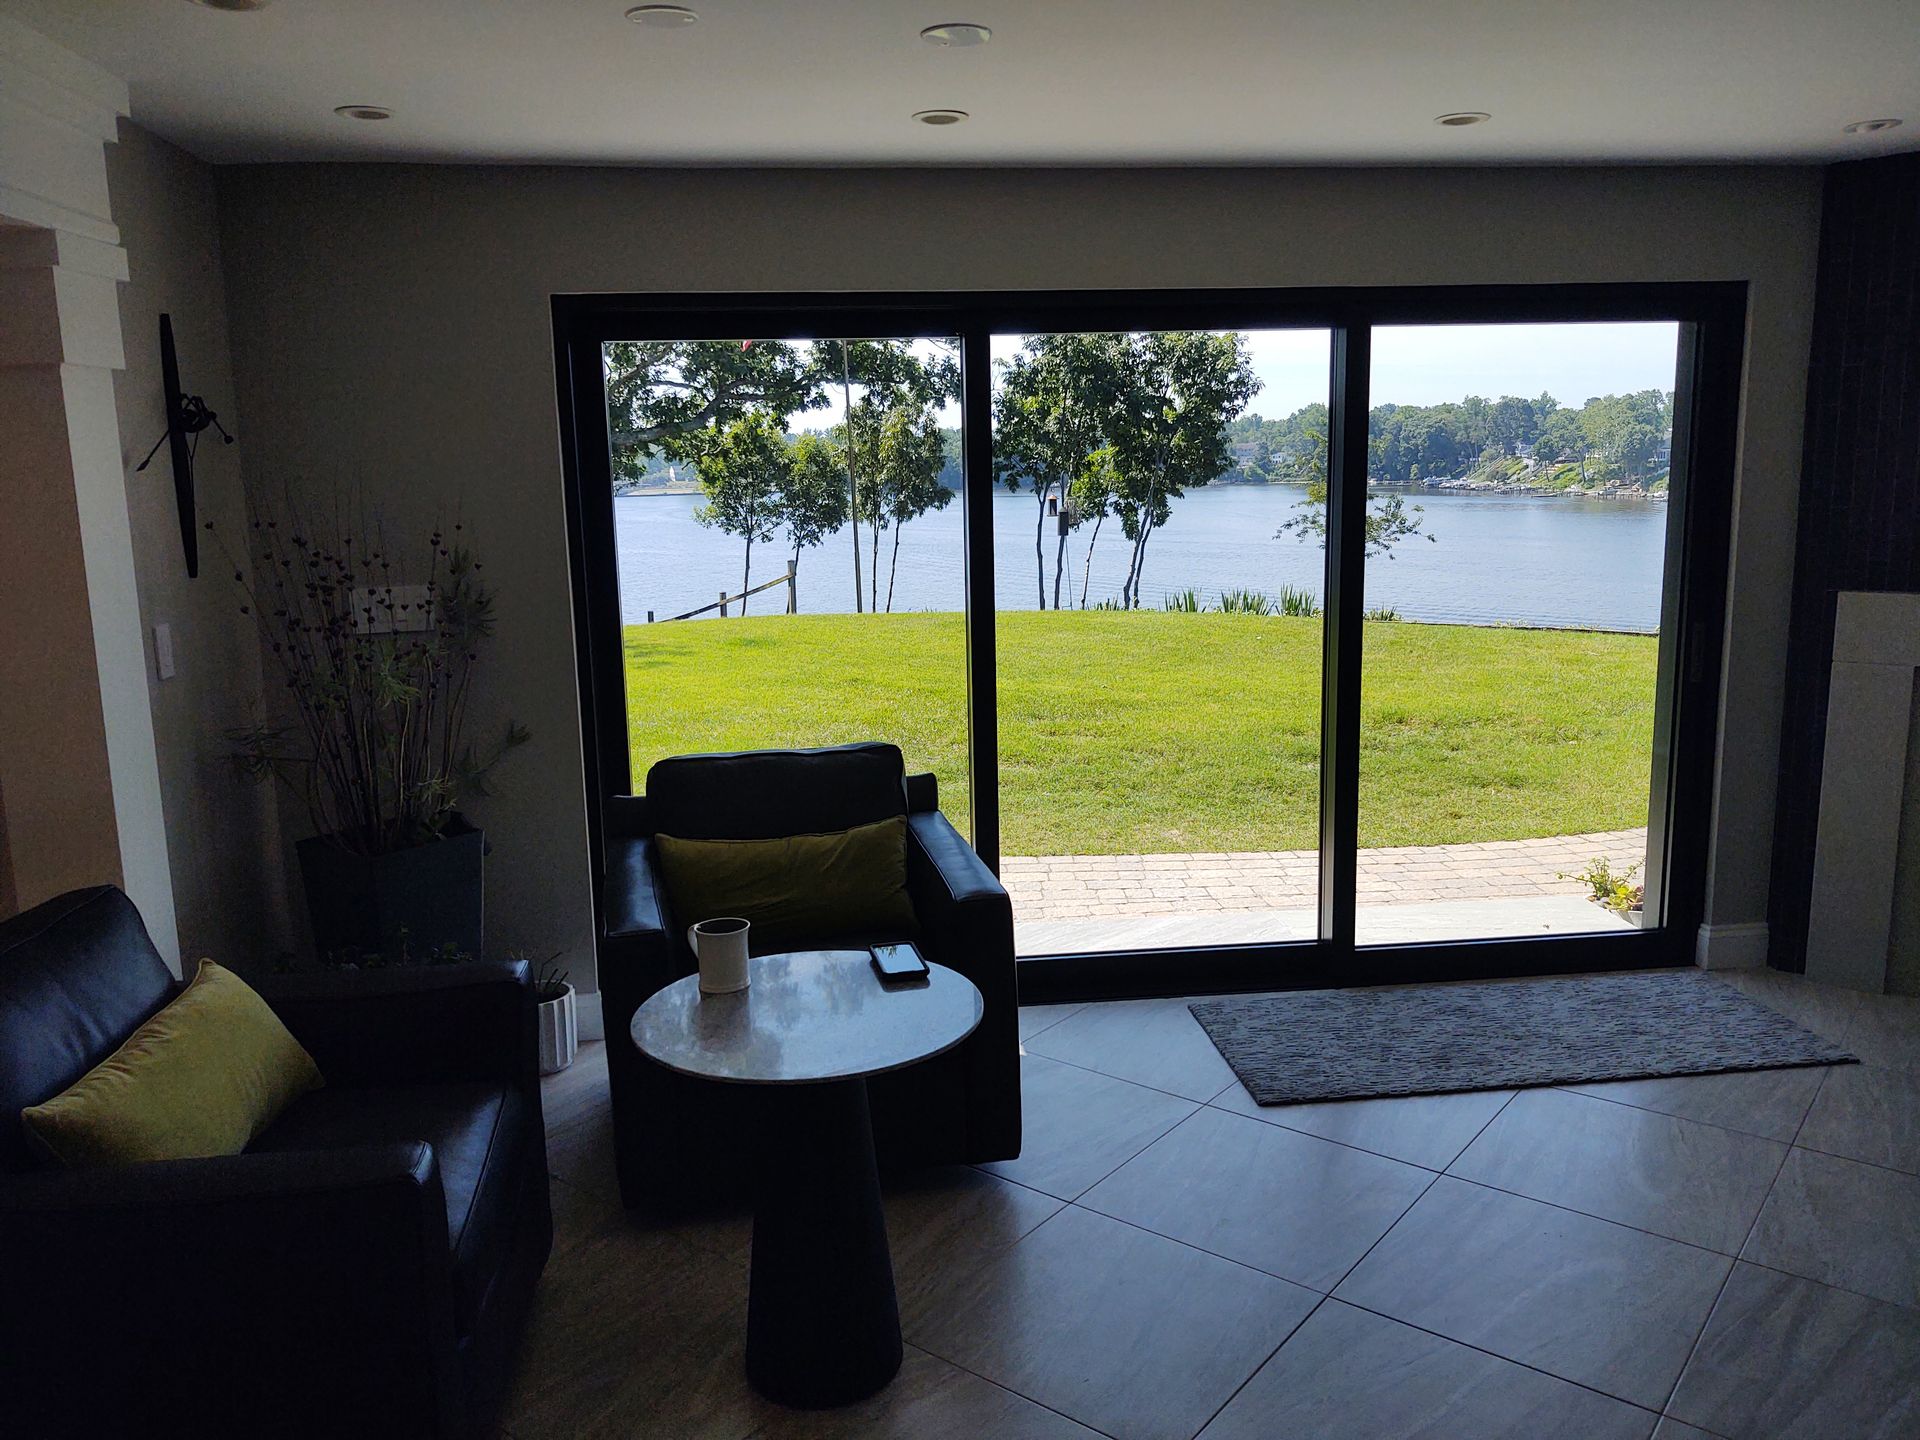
(692, 944)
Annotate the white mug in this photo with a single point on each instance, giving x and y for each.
(721, 948)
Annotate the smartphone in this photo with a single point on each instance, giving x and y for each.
(898, 962)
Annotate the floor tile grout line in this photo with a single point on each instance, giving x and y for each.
(1589, 1215)
(1254, 1373)
(1123, 1079)
(1726, 1280)
(1061, 1020)
(1495, 1354)
(1690, 1075)
(1008, 1389)
(1850, 1159)
(1343, 1144)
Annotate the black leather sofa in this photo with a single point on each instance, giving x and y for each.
(683, 1143)
(364, 1269)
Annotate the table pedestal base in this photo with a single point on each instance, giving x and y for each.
(823, 1324)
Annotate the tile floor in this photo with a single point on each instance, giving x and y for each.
(1718, 1256)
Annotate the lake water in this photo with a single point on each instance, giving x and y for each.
(1494, 559)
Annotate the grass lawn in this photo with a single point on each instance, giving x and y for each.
(1148, 732)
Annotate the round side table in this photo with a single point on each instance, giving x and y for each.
(823, 1322)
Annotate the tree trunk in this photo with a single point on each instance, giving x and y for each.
(853, 485)
(1039, 528)
(874, 578)
(1140, 562)
(1086, 575)
(894, 568)
(1059, 561)
(746, 576)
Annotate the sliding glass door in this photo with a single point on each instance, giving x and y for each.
(1519, 508)
(1255, 638)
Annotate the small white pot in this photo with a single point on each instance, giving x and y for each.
(559, 1032)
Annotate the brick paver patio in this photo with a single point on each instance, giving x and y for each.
(1105, 887)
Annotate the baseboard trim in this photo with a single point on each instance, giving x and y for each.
(1730, 947)
(588, 1016)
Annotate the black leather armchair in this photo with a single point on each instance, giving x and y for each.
(363, 1269)
(680, 1142)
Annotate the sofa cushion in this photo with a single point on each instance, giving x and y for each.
(481, 1135)
(78, 975)
(208, 1072)
(760, 794)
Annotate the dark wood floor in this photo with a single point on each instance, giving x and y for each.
(1723, 1255)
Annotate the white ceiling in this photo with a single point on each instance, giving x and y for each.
(1063, 81)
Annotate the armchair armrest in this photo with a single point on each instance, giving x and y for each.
(966, 918)
(204, 1295)
(640, 951)
(415, 1024)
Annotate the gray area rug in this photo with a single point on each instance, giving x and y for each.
(1430, 1039)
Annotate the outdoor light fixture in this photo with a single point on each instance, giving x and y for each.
(940, 117)
(956, 34)
(363, 112)
(662, 17)
(1869, 127)
(1457, 118)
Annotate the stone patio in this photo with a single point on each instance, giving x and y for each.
(1414, 892)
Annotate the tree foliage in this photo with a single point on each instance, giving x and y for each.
(743, 471)
(663, 395)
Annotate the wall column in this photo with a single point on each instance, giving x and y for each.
(79, 781)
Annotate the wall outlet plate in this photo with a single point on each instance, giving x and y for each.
(392, 609)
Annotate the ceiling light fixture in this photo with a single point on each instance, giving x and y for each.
(236, 5)
(1456, 118)
(662, 17)
(363, 112)
(956, 34)
(1869, 127)
(940, 117)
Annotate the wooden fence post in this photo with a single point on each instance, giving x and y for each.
(723, 604)
(649, 617)
(793, 588)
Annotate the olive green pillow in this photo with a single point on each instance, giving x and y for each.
(795, 890)
(205, 1075)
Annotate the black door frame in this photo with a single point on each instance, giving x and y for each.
(1712, 320)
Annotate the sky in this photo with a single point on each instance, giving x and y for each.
(1428, 364)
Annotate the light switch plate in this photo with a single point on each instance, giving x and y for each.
(163, 651)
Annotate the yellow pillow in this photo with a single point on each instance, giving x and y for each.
(204, 1076)
(796, 889)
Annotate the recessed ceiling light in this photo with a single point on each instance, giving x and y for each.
(940, 117)
(662, 17)
(956, 34)
(363, 112)
(231, 4)
(1456, 118)
(1869, 127)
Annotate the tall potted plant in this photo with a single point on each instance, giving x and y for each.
(375, 648)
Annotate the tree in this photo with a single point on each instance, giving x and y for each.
(814, 502)
(891, 369)
(1092, 493)
(663, 394)
(1389, 519)
(1175, 394)
(902, 478)
(1047, 421)
(742, 470)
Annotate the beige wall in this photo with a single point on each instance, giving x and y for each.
(391, 329)
(222, 836)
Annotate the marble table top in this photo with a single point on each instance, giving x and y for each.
(808, 1017)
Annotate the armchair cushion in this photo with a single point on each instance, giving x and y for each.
(204, 1076)
(796, 888)
(481, 1141)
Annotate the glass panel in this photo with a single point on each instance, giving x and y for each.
(1158, 636)
(1517, 536)
(785, 582)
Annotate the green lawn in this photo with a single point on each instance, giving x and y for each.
(1143, 732)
